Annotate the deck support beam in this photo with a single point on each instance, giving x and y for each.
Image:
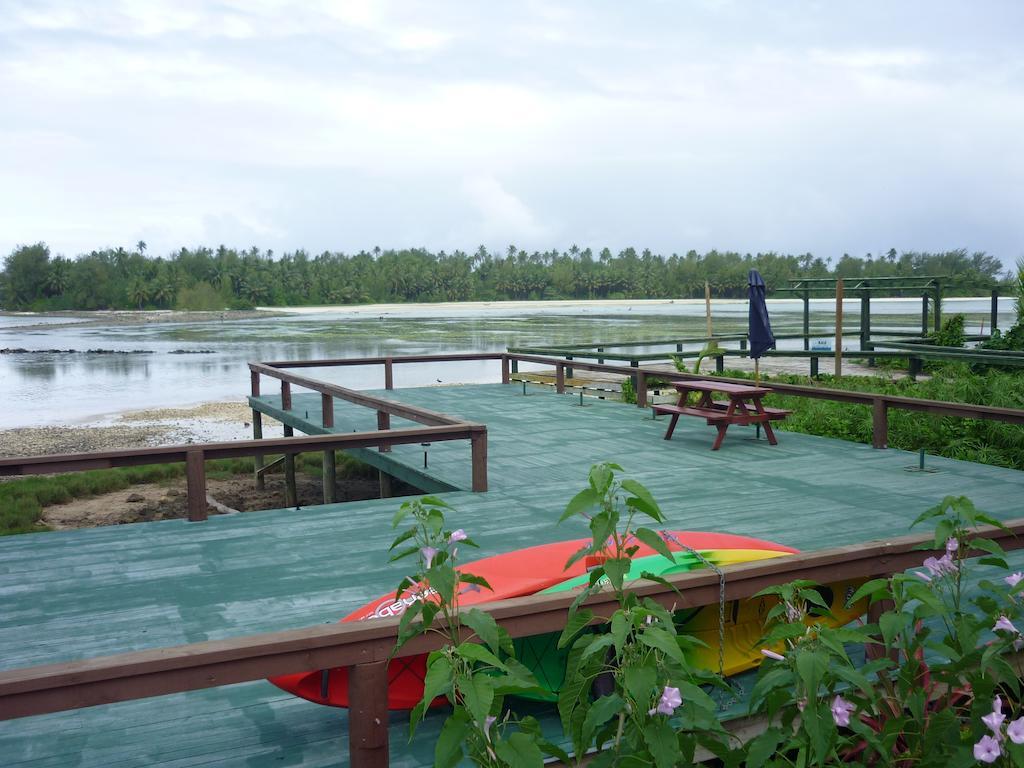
(641, 390)
(386, 490)
(195, 478)
(368, 715)
(478, 447)
(257, 461)
(330, 472)
(879, 423)
(505, 378)
(291, 496)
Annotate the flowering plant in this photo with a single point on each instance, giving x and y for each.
(933, 691)
(629, 692)
(474, 673)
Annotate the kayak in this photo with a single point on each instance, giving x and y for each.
(540, 569)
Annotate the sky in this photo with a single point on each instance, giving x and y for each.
(823, 127)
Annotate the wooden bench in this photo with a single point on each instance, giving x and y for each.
(711, 414)
(774, 414)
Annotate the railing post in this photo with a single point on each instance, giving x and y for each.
(719, 363)
(924, 315)
(286, 396)
(914, 367)
(600, 360)
(368, 715)
(254, 381)
(560, 378)
(994, 322)
(504, 369)
(330, 467)
(568, 370)
(389, 374)
(814, 367)
(384, 422)
(478, 449)
(641, 389)
(879, 423)
(195, 478)
(807, 319)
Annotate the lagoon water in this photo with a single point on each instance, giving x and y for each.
(44, 388)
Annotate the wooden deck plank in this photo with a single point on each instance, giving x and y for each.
(76, 594)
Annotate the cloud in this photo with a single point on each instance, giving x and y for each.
(503, 217)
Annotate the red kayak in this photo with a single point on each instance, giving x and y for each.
(513, 574)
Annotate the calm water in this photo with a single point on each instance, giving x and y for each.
(46, 388)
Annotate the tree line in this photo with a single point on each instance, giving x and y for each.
(218, 278)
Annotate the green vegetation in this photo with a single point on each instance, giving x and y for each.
(22, 499)
(985, 442)
(204, 278)
(1013, 339)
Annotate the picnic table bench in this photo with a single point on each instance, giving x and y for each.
(743, 407)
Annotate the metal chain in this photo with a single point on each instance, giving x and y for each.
(725, 703)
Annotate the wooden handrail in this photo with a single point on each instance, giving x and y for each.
(139, 674)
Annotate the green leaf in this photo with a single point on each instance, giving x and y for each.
(655, 637)
(598, 643)
(661, 740)
(642, 500)
(891, 624)
(448, 750)
(601, 476)
(401, 514)
(620, 628)
(520, 751)
(577, 621)
(436, 682)
(876, 588)
(602, 526)
(601, 711)
(469, 578)
(477, 694)
(616, 568)
(485, 627)
(475, 652)
(655, 542)
(442, 578)
(639, 682)
(435, 501)
(811, 666)
(404, 553)
(762, 747)
(582, 502)
(776, 677)
(403, 537)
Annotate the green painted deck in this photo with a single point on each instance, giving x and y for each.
(78, 594)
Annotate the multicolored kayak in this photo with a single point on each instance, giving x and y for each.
(540, 569)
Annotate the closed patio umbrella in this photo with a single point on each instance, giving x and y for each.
(759, 327)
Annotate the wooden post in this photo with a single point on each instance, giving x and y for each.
(330, 472)
(560, 378)
(938, 306)
(368, 715)
(384, 479)
(879, 423)
(383, 423)
(924, 315)
(839, 328)
(504, 370)
(865, 324)
(600, 360)
(994, 323)
(254, 381)
(707, 305)
(291, 497)
(389, 374)
(641, 389)
(478, 449)
(814, 367)
(807, 318)
(286, 396)
(257, 461)
(568, 369)
(719, 363)
(195, 478)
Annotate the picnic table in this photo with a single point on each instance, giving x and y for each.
(743, 407)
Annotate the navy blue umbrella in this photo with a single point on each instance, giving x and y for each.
(759, 330)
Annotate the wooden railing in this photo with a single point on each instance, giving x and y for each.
(366, 646)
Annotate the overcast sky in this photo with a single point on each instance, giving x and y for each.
(827, 127)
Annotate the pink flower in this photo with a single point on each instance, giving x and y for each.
(994, 721)
(952, 545)
(841, 709)
(1005, 624)
(429, 553)
(670, 699)
(940, 566)
(1015, 730)
(922, 575)
(459, 535)
(987, 750)
(1014, 578)
(488, 722)
(773, 655)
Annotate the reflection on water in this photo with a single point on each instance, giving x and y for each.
(46, 388)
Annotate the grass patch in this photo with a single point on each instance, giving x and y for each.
(978, 440)
(22, 499)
